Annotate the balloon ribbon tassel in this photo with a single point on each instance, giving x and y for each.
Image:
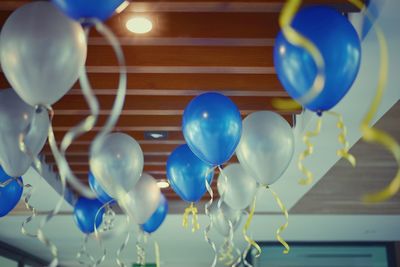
(250, 241)
(371, 134)
(226, 255)
(195, 222)
(285, 225)
(344, 151)
(307, 152)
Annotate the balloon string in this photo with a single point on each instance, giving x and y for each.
(295, 38)
(185, 222)
(40, 234)
(83, 252)
(307, 152)
(7, 182)
(370, 133)
(157, 253)
(121, 249)
(210, 224)
(121, 91)
(27, 196)
(81, 128)
(223, 191)
(141, 252)
(285, 225)
(344, 151)
(245, 253)
(249, 240)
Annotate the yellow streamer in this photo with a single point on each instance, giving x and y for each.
(285, 225)
(344, 151)
(295, 38)
(309, 150)
(195, 222)
(250, 241)
(370, 133)
(157, 253)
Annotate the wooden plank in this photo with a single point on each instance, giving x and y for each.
(193, 81)
(159, 102)
(134, 120)
(183, 56)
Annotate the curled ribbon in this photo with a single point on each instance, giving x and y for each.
(27, 197)
(83, 252)
(285, 225)
(195, 222)
(157, 253)
(249, 240)
(37, 165)
(120, 249)
(140, 250)
(209, 226)
(295, 38)
(244, 257)
(370, 133)
(344, 151)
(307, 152)
(228, 247)
(121, 91)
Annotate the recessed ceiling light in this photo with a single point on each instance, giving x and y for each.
(163, 183)
(156, 135)
(139, 25)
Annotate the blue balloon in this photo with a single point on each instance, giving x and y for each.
(212, 127)
(187, 174)
(85, 214)
(157, 218)
(96, 187)
(88, 9)
(10, 194)
(340, 47)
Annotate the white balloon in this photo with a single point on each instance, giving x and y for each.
(143, 200)
(41, 52)
(239, 188)
(117, 163)
(221, 217)
(17, 117)
(266, 147)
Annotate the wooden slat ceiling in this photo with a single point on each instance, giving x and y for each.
(341, 189)
(194, 47)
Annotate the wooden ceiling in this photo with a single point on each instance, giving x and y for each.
(341, 189)
(194, 47)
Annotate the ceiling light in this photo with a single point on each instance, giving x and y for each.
(139, 25)
(156, 135)
(163, 183)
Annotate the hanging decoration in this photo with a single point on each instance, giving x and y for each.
(265, 151)
(117, 164)
(240, 188)
(187, 175)
(371, 134)
(100, 193)
(10, 192)
(16, 117)
(142, 201)
(317, 65)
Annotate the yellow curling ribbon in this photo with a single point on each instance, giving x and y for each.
(157, 253)
(307, 152)
(344, 151)
(195, 222)
(285, 225)
(370, 133)
(295, 38)
(250, 241)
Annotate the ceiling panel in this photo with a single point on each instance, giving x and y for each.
(194, 47)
